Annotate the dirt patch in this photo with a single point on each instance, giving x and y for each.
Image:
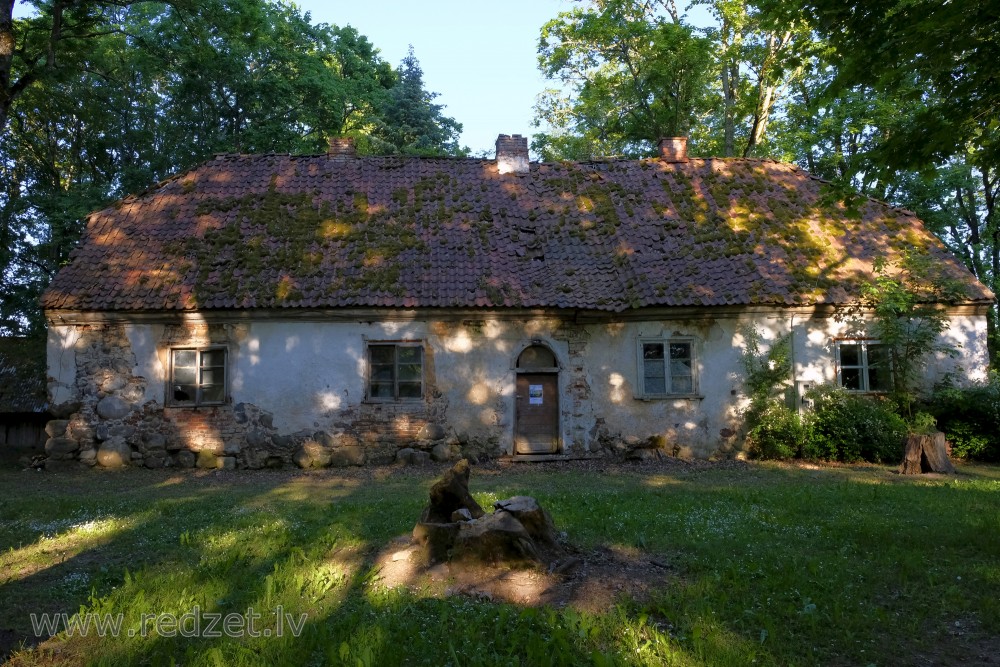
(591, 581)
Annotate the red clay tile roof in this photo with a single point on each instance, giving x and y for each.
(270, 231)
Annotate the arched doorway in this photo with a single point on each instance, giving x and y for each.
(536, 404)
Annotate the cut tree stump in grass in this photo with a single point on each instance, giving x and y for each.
(925, 453)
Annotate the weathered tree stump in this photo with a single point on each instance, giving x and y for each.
(451, 493)
(925, 453)
(454, 527)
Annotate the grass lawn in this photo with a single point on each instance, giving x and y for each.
(770, 564)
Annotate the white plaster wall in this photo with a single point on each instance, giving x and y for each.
(150, 358)
(691, 422)
(61, 358)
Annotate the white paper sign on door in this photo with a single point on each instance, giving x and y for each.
(534, 394)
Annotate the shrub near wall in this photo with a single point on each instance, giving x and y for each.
(849, 427)
(778, 433)
(970, 419)
(841, 426)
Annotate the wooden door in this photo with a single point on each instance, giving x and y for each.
(536, 413)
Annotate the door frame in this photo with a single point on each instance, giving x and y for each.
(548, 370)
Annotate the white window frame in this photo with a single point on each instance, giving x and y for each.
(862, 365)
(198, 400)
(668, 379)
(395, 345)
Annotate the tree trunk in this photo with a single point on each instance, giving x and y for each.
(925, 453)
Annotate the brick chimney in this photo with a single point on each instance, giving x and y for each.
(341, 148)
(512, 154)
(674, 149)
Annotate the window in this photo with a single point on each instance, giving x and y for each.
(395, 371)
(863, 365)
(666, 367)
(197, 376)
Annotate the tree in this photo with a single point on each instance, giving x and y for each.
(757, 59)
(951, 48)
(105, 98)
(630, 77)
(410, 122)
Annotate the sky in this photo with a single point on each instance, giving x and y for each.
(479, 56)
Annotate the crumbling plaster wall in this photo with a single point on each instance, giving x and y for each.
(298, 382)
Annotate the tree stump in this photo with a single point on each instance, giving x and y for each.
(925, 453)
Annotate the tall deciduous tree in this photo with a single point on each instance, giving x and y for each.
(629, 76)
(757, 59)
(951, 47)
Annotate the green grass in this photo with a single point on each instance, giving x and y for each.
(775, 565)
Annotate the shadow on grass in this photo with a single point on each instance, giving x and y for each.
(778, 564)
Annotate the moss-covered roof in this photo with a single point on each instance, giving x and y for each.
(278, 231)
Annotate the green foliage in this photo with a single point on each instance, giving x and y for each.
(884, 42)
(628, 78)
(970, 418)
(765, 373)
(777, 433)
(106, 98)
(758, 60)
(841, 426)
(923, 423)
(848, 427)
(896, 107)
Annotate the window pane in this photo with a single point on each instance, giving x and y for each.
(213, 376)
(184, 375)
(382, 354)
(680, 351)
(682, 385)
(536, 356)
(409, 390)
(653, 369)
(850, 354)
(680, 368)
(878, 355)
(655, 385)
(851, 378)
(213, 394)
(652, 350)
(381, 390)
(213, 358)
(382, 374)
(409, 355)
(188, 358)
(410, 372)
(879, 378)
(184, 393)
